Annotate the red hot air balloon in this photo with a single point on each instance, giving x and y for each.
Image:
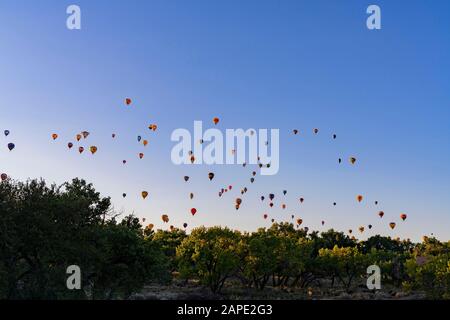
(193, 211)
(403, 216)
(128, 101)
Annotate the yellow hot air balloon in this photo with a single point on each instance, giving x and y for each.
(93, 149)
(144, 194)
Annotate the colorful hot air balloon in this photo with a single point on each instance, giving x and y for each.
(3, 176)
(70, 145)
(11, 146)
(323, 222)
(230, 187)
(93, 149)
(350, 231)
(128, 101)
(210, 176)
(359, 198)
(150, 226)
(193, 211)
(403, 216)
(339, 160)
(192, 159)
(144, 194)
(392, 225)
(369, 226)
(216, 120)
(80, 149)
(54, 136)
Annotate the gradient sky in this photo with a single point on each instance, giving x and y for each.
(254, 64)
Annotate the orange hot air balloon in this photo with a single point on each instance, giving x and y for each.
(216, 120)
(54, 136)
(238, 201)
(381, 214)
(392, 225)
(70, 145)
(165, 218)
(359, 198)
(192, 159)
(145, 142)
(78, 137)
(361, 229)
(153, 127)
(150, 226)
(93, 149)
(237, 207)
(144, 194)
(265, 216)
(299, 221)
(128, 101)
(283, 206)
(403, 216)
(141, 155)
(352, 160)
(80, 149)
(193, 211)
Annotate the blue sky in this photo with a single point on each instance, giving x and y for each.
(254, 64)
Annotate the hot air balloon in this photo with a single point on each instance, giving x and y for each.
(295, 131)
(145, 142)
(244, 164)
(230, 187)
(139, 138)
(80, 149)
(252, 180)
(350, 231)
(141, 155)
(273, 220)
(381, 214)
(369, 226)
(85, 134)
(143, 219)
(265, 216)
(376, 202)
(127, 101)
(192, 159)
(334, 203)
(254, 173)
(238, 201)
(185, 225)
(284, 192)
(245, 189)
(361, 229)
(301, 200)
(292, 216)
(11, 146)
(271, 204)
(144, 194)
(359, 198)
(186, 178)
(150, 226)
(6, 132)
(334, 136)
(124, 161)
(299, 221)
(316, 131)
(193, 211)
(339, 160)
(283, 206)
(78, 137)
(165, 218)
(216, 120)
(70, 145)
(403, 216)
(392, 225)
(323, 222)
(210, 176)
(271, 196)
(124, 195)
(3, 176)
(93, 149)
(262, 198)
(352, 160)
(54, 136)
(113, 135)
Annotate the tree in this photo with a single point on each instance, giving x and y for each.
(210, 255)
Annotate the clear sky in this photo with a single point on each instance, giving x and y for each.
(254, 64)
